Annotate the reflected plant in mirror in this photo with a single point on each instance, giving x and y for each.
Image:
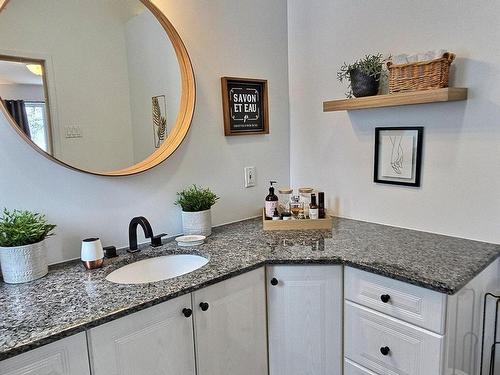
(84, 96)
(159, 120)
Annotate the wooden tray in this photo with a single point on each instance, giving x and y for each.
(305, 224)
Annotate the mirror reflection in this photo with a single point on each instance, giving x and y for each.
(94, 83)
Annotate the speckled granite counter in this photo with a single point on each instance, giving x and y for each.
(70, 299)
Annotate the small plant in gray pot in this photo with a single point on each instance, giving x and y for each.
(23, 255)
(196, 206)
(363, 75)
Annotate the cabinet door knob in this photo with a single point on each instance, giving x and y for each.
(204, 306)
(274, 281)
(385, 298)
(187, 312)
(385, 350)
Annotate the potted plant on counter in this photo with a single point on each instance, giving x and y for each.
(196, 206)
(363, 75)
(23, 256)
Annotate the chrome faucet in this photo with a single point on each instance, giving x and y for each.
(148, 232)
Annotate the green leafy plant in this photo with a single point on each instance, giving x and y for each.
(371, 65)
(21, 228)
(194, 199)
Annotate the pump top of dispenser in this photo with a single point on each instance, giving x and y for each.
(271, 188)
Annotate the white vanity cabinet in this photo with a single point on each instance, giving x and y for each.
(222, 332)
(155, 341)
(230, 326)
(392, 327)
(64, 357)
(305, 319)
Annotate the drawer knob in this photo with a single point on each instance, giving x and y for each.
(385, 350)
(204, 306)
(385, 298)
(274, 281)
(187, 312)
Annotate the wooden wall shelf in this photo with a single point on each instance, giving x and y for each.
(392, 100)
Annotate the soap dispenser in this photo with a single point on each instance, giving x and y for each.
(271, 202)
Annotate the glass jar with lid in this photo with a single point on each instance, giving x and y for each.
(305, 198)
(284, 196)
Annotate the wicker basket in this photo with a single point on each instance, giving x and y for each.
(423, 75)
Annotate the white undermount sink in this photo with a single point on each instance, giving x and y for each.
(157, 269)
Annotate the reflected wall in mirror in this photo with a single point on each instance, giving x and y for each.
(103, 86)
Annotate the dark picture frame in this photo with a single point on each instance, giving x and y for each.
(245, 106)
(398, 155)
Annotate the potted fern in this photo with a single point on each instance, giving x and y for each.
(196, 206)
(23, 255)
(363, 75)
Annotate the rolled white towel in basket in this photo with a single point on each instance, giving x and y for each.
(418, 57)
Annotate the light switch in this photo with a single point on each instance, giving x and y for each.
(73, 131)
(250, 177)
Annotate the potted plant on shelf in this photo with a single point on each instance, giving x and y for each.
(196, 206)
(23, 256)
(363, 75)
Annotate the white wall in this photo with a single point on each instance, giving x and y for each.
(153, 70)
(84, 205)
(461, 164)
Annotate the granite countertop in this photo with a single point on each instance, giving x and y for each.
(70, 299)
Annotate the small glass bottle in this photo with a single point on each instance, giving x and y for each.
(321, 205)
(313, 208)
(297, 207)
(305, 198)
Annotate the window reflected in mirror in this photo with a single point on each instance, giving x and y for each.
(22, 91)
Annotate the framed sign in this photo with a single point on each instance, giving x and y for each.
(245, 106)
(398, 155)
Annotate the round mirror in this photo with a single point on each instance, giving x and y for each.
(101, 86)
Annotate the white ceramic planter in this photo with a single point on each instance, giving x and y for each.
(24, 263)
(197, 222)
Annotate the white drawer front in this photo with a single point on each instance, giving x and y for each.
(412, 350)
(351, 368)
(413, 304)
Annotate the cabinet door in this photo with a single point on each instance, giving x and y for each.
(64, 357)
(305, 320)
(154, 341)
(231, 332)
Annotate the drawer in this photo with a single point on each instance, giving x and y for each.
(422, 307)
(351, 368)
(386, 345)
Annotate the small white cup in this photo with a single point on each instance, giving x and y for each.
(92, 250)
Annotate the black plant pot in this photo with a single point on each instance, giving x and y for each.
(362, 84)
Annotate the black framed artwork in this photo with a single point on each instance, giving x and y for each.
(245, 106)
(398, 155)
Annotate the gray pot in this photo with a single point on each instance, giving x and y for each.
(22, 264)
(362, 84)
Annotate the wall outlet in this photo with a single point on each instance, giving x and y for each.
(250, 177)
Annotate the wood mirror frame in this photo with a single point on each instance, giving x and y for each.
(184, 117)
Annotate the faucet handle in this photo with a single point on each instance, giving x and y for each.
(156, 240)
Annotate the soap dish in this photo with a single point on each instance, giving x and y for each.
(190, 240)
